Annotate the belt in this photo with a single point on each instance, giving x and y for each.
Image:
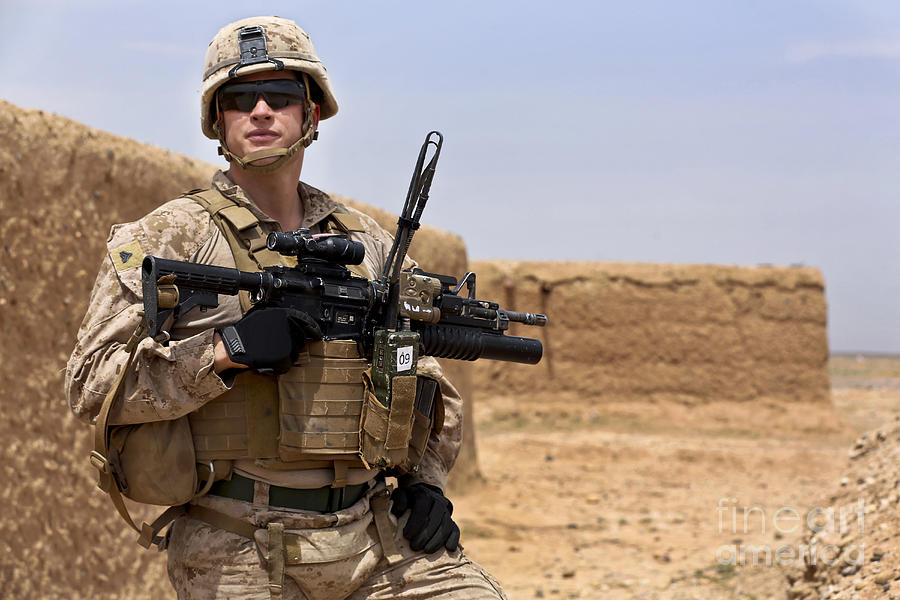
(324, 499)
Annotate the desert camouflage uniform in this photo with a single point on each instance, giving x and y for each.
(169, 381)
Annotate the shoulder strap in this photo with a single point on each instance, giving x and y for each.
(243, 232)
(346, 222)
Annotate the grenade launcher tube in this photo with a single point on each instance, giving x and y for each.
(462, 343)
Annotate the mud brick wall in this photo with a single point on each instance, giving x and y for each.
(693, 334)
(61, 187)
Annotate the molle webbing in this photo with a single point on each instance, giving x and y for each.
(241, 423)
(321, 402)
(307, 418)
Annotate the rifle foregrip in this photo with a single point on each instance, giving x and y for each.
(471, 344)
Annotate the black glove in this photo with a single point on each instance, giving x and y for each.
(269, 338)
(429, 526)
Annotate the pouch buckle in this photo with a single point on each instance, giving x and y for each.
(100, 462)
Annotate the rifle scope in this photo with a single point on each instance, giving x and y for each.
(330, 248)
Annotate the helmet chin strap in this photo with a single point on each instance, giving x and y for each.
(283, 155)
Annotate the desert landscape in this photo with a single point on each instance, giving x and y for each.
(683, 415)
(601, 502)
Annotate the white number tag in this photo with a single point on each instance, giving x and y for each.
(404, 358)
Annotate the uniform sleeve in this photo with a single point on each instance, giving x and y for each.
(165, 381)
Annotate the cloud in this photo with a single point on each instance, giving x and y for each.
(810, 51)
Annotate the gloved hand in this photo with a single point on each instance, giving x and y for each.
(429, 526)
(269, 338)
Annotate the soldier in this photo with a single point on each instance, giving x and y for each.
(284, 504)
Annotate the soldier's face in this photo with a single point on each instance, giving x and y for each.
(263, 126)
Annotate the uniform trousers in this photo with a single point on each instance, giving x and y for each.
(326, 556)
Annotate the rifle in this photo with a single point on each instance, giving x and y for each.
(395, 318)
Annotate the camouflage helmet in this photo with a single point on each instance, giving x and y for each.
(260, 44)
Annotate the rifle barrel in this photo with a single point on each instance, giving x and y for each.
(525, 317)
(462, 343)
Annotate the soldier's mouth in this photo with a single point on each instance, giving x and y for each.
(262, 136)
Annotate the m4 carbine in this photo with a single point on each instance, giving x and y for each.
(397, 317)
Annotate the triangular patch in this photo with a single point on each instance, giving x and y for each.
(129, 256)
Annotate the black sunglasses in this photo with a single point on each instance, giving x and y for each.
(277, 93)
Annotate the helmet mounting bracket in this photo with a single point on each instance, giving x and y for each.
(253, 49)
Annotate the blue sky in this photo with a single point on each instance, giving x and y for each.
(690, 132)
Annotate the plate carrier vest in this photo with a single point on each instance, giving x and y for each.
(307, 418)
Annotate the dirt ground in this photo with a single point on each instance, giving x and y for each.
(582, 500)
